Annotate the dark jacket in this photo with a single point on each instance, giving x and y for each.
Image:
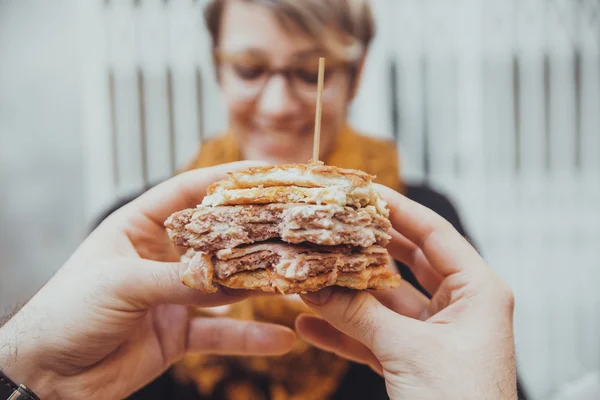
(360, 382)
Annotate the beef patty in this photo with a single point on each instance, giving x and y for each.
(209, 229)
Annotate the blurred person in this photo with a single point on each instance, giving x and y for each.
(266, 60)
(115, 315)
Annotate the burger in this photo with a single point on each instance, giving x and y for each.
(289, 229)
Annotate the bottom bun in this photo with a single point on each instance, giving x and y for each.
(200, 275)
(377, 278)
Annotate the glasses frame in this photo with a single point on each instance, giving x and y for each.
(332, 66)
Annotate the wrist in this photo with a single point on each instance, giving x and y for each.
(10, 386)
(21, 364)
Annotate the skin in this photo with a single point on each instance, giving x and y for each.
(458, 345)
(276, 126)
(115, 316)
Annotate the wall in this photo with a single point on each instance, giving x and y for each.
(41, 209)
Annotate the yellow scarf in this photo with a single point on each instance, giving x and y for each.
(351, 150)
(306, 372)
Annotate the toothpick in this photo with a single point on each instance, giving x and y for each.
(317, 137)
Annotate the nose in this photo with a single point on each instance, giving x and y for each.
(277, 99)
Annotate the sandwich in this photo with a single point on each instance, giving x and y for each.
(289, 229)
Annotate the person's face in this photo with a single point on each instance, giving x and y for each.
(273, 111)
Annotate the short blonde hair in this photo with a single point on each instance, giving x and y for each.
(345, 28)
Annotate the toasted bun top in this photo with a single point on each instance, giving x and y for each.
(314, 183)
(286, 194)
(314, 175)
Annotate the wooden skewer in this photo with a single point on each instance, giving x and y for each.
(317, 137)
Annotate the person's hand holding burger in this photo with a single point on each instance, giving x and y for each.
(115, 316)
(458, 345)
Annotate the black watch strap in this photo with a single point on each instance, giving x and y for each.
(11, 391)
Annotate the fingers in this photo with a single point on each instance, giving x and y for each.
(232, 337)
(321, 334)
(408, 253)
(361, 316)
(447, 251)
(183, 191)
(144, 284)
(405, 300)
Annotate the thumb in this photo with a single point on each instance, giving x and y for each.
(144, 284)
(360, 315)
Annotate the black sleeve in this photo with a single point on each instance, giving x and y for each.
(438, 203)
(441, 205)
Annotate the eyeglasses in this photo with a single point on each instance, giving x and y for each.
(248, 74)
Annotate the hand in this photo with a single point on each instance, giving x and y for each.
(458, 345)
(114, 317)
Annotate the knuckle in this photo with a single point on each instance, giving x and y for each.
(164, 279)
(212, 339)
(507, 297)
(222, 336)
(357, 316)
(100, 284)
(246, 338)
(442, 228)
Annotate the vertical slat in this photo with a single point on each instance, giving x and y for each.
(408, 51)
(98, 156)
(375, 88)
(589, 184)
(151, 51)
(215, 109)
(440, 49)
(560, 29)
(590, 85)
(142, 121)
(469, 122)
(500, 227)
(531, 48)
(114, 138)
(202, 77)
(171, 115)
(532, 314)
(126, 94)
(560, 36)
(499, 142)
(182, 49)
(498, 68)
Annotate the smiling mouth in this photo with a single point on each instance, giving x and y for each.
(290, 131)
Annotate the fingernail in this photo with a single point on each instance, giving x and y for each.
(319, 298)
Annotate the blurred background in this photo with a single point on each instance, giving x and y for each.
(494, 103)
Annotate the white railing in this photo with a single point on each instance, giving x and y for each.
(496, 103)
